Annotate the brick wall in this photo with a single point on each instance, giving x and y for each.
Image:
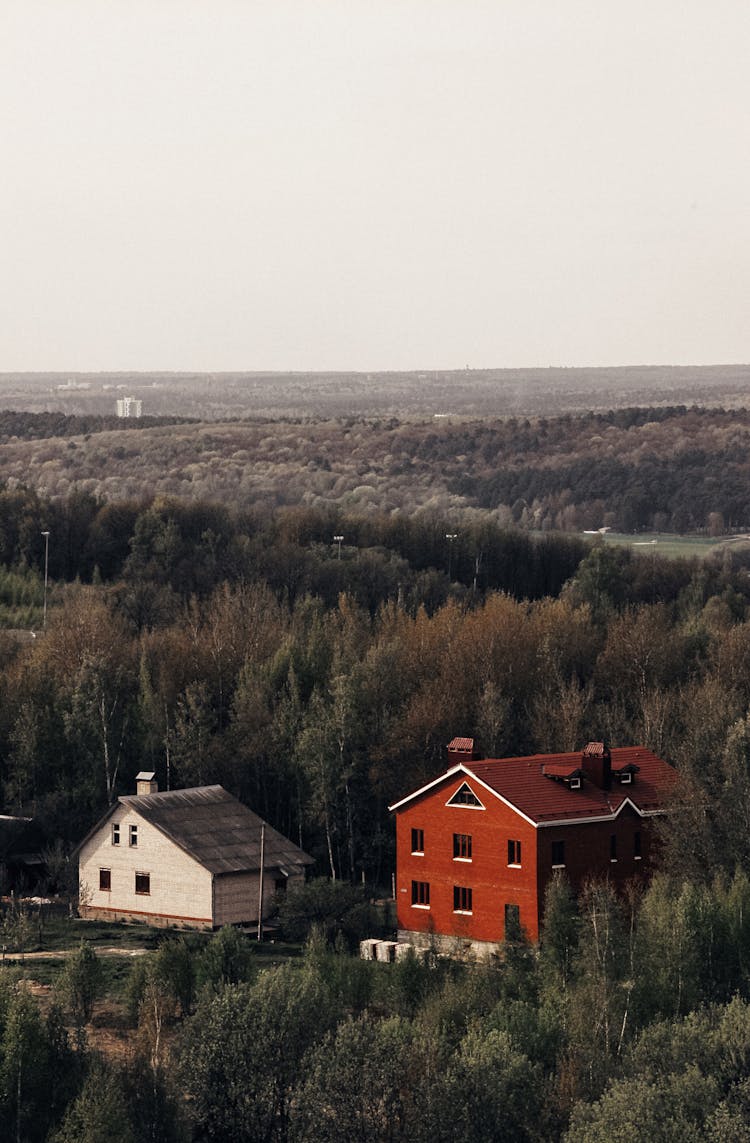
(180, 889)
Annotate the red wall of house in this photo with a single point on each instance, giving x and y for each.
(492, 882)
(587, 851)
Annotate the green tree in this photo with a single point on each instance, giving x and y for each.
(100, 1113)
(242, 1052)
(226, 959)
(489, 1092)
(80, 984)
(360, 1083)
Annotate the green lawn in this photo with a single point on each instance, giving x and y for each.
(668, 544)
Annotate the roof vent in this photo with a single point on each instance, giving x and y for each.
(145, 783)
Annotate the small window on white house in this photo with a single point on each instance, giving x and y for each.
(143, 884)
(115, 833)
(105, 880)
(134, 835)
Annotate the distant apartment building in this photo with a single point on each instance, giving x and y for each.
(129, 407)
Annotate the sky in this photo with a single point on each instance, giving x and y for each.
(373, 184)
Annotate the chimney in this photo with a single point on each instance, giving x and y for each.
(597, 765)
(145, 783)
(461, 750)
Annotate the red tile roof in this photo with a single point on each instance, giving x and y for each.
(543, 799)
(521, 782)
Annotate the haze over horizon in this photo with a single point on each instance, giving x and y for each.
(413, 184)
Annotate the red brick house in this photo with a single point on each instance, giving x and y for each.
(476, 847)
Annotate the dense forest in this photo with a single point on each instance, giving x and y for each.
(237, 641)
(674, 468)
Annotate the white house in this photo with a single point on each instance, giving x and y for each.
(190, 858)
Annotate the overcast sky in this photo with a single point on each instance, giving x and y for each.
(366, 184)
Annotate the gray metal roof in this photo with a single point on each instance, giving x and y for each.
(216, 829)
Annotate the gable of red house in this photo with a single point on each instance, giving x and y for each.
(476, 847)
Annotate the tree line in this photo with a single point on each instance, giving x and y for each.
(319, 708)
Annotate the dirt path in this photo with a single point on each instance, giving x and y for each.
(55, 954)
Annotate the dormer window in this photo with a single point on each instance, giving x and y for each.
(626, 777)
(574, 783)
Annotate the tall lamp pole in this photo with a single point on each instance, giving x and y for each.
(451, 537)
(46, 575)
(338, 540)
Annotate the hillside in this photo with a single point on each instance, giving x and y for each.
(674, 468)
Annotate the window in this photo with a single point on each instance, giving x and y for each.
(574, 784)
(462, 899)
(514, 853)
(462, 847)
(417, 841)
(613, 847)
(105, 880)
(420, 894)
(116, 833)
(626, 777)
(512, 923)
(558, 853)
(637, 845)
(465, 796)
(134, 835)
(143, 883)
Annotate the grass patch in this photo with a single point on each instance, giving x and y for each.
(666, 544)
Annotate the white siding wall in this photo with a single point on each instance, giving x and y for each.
(236, 900)
(181, 889)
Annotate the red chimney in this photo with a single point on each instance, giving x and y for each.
(597, 765)
(461, 750)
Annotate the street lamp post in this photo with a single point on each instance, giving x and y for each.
(338, 540)
(451, 537)
(46, 576)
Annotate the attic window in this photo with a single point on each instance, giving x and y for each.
(465, 796)
(574, 783)
(134, 835)
(626, 777)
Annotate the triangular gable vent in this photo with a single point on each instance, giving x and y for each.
(465, 796)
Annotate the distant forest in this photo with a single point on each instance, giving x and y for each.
(673, 469)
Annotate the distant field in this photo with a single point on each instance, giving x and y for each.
(667, 544)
